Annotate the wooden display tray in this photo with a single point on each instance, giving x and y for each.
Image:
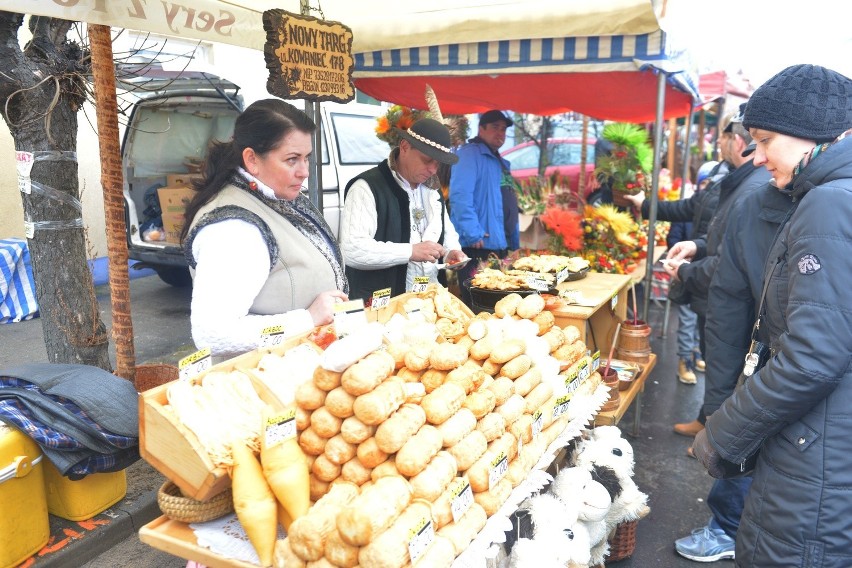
(605, 305)
(626, 397)
(175, 537)
(175, 451)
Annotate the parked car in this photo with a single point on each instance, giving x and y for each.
(168, 131)
(563, 159)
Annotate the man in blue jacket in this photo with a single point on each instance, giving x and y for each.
(483, 202)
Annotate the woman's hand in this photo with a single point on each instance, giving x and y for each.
(322, 308)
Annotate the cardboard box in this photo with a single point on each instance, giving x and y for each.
(24, 525)
(181, 180)
(82, 499)
(173, 202)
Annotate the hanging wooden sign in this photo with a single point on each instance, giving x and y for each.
(308, 58)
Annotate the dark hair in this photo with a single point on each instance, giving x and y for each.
(262, 127)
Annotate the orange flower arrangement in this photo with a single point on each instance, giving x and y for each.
(397, 116)
(567, 227)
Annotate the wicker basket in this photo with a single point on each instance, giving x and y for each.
(179, 508)
(623, 542)
(150, 376)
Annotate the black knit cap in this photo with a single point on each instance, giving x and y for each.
(803, 101)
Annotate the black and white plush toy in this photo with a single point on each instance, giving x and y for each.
(551, 535)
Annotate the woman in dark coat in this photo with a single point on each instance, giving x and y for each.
(795, 411)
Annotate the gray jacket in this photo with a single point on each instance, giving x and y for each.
(798, 409)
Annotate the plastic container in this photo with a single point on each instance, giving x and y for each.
(82, 499)
(24, 525)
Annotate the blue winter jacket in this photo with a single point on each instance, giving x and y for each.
(796, 409)
(476, 204)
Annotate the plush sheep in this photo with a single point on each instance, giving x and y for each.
(575, 487)
(557, 537)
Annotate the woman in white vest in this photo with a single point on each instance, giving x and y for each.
(260, 253)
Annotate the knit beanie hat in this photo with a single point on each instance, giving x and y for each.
(803, 101)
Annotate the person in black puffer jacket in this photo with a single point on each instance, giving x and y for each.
(793, 413)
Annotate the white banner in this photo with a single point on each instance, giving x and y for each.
(207, 20)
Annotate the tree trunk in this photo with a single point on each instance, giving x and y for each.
(40, 94)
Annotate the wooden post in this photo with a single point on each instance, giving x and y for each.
(670, 162)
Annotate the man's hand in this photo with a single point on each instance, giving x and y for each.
(455, 256)
(710, 458)
(427, 251)
(684, 250)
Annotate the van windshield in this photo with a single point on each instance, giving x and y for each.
(357, 143)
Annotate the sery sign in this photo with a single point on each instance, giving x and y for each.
(308, 58)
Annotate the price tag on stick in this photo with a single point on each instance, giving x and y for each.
(272, 336)
(381, 298)
(196, 363)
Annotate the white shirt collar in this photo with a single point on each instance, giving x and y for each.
(264, 189)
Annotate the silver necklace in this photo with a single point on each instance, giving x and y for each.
(418, 214)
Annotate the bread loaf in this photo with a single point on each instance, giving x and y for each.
(373, 510)
(507, 305)
(339, 553)
(390, 548)
(457, 427)
(417, 359)
(338, 450)
(503, 388)
(555, 337)
(512, 409)
(521, 428)
(527, 382)
(368, 373)
(385, 469)
(308, 533)
(545, 321)
(492, 426)
(530, 306)
(374, 407)
(416, 453)
(309, 396)
(402, 424)
(493, 499)
(461, 533)
(479, 473)
(354, 431)
(442, 403)
(340, 403)
(432, 379)
(517, 366)
(355, 471)
(429, 483)
(440, 554)
(480, 402)
(369, 453)
(507, 350)
(324, 423)
(537, 397)
(447, 356)
(469, 449)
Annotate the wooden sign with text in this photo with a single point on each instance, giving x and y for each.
(308, 58)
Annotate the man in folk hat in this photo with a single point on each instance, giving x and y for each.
(395, 224)
(483, 202)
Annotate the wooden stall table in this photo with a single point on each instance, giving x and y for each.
(604, 305)
(626, 398)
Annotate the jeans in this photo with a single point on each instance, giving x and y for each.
(726, 501)
(687, 332)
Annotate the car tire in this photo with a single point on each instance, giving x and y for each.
(595, 198)
(176, 276)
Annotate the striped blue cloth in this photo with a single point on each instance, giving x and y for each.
(17, 287)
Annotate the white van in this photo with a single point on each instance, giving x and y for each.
(168, 131)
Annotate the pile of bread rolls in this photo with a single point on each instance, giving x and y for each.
(400, 440)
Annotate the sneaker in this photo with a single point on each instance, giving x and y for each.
(689, 429)
(685, 373)
(706, 545)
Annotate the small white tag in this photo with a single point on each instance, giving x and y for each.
(420, 284)
(381, 298)
(24, 163)
(420, 540)
(462, 498)
(614, 301)
(196, 363)
(562, 274)
(272, 336)
(561, 406)
(538, 421)
(537, 283)
(349, 317)
(280, 428)
(499, 467)
(29, 229)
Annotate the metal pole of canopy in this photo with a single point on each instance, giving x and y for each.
(687, 132)
(312, 109)
(655, 183)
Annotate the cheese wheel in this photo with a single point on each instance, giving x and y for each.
(369, 453)
(355, 471)
(325, 379)
(309, 396)
(324, 423)
(338, 450)
(354, 431)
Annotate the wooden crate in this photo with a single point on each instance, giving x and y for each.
(175, 451)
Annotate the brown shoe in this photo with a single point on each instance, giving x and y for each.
(689, 429)
(685, 374)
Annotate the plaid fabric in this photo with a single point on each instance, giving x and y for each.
(15, 414)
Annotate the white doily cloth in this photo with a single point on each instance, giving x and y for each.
(225, 536)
